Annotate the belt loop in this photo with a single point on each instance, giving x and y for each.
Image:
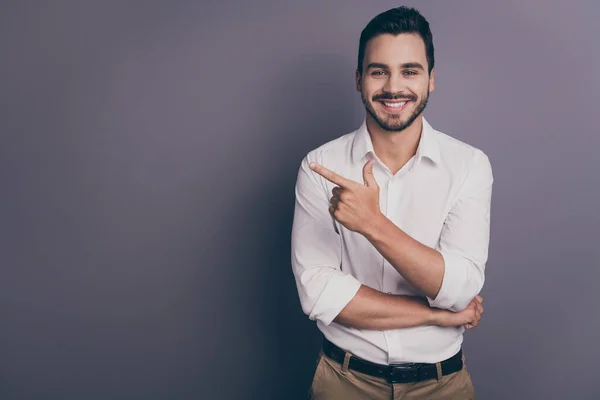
(438, 367)
(346, 362)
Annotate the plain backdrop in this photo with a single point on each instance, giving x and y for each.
(149, 152)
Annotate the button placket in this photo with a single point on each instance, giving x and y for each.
(389, 210)
(393, 345)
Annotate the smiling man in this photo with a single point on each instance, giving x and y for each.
(391, 232)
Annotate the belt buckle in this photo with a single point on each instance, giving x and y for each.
(399, 374)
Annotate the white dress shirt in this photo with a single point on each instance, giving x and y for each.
(441, 198)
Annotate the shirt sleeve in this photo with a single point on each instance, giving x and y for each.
(324, 290)
(465, 237)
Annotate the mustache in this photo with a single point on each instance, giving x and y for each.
(386, 97)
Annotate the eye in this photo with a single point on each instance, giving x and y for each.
(376, 73)
(410, 73)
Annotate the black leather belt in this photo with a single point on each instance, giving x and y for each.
(394, 373)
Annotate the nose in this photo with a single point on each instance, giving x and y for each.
(394, 84)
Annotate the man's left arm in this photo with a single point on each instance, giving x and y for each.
(452, 274)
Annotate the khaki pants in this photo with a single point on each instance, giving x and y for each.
(333, 381)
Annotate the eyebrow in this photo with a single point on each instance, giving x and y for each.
(415, 65)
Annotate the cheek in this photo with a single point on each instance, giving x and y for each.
(370, 89)
(423, 87)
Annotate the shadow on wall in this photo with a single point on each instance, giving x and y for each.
(312, 104)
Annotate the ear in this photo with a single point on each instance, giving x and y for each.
(431, 80)
(357, 77)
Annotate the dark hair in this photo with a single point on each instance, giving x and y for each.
(395, 21)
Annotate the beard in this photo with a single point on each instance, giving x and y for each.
(393, 122)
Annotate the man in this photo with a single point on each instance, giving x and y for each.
(391, 231)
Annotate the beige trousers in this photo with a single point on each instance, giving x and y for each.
(333, 381)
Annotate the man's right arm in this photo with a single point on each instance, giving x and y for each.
(372, 309)
(328, 294)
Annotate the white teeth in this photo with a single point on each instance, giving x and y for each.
(394, 105)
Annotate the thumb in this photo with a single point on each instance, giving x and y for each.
(368, 176)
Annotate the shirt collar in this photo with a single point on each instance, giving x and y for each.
(428, 145)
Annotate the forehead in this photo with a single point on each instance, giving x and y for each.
(391, 50)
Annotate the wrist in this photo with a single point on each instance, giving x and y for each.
(373, 231)
(436, 316)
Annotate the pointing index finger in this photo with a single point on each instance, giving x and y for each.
(330, 175)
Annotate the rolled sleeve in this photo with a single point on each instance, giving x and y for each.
(465, 237)
(324, 289)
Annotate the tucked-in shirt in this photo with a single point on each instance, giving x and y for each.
(440, 197)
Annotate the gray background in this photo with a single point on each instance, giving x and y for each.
(148, 159)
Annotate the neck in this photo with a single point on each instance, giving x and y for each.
(394, 149)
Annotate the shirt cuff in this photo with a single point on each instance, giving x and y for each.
(340, 289)
(455, 276)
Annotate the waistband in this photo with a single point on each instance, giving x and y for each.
(394, 373)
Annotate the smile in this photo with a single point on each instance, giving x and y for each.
(394, 106)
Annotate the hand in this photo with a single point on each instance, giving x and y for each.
(477, 304)
(354, 205)
(469, 317)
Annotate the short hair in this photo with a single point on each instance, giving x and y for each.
(396, 21)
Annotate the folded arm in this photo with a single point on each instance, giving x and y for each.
(326, 292)
(372, 309)
(452, 274)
